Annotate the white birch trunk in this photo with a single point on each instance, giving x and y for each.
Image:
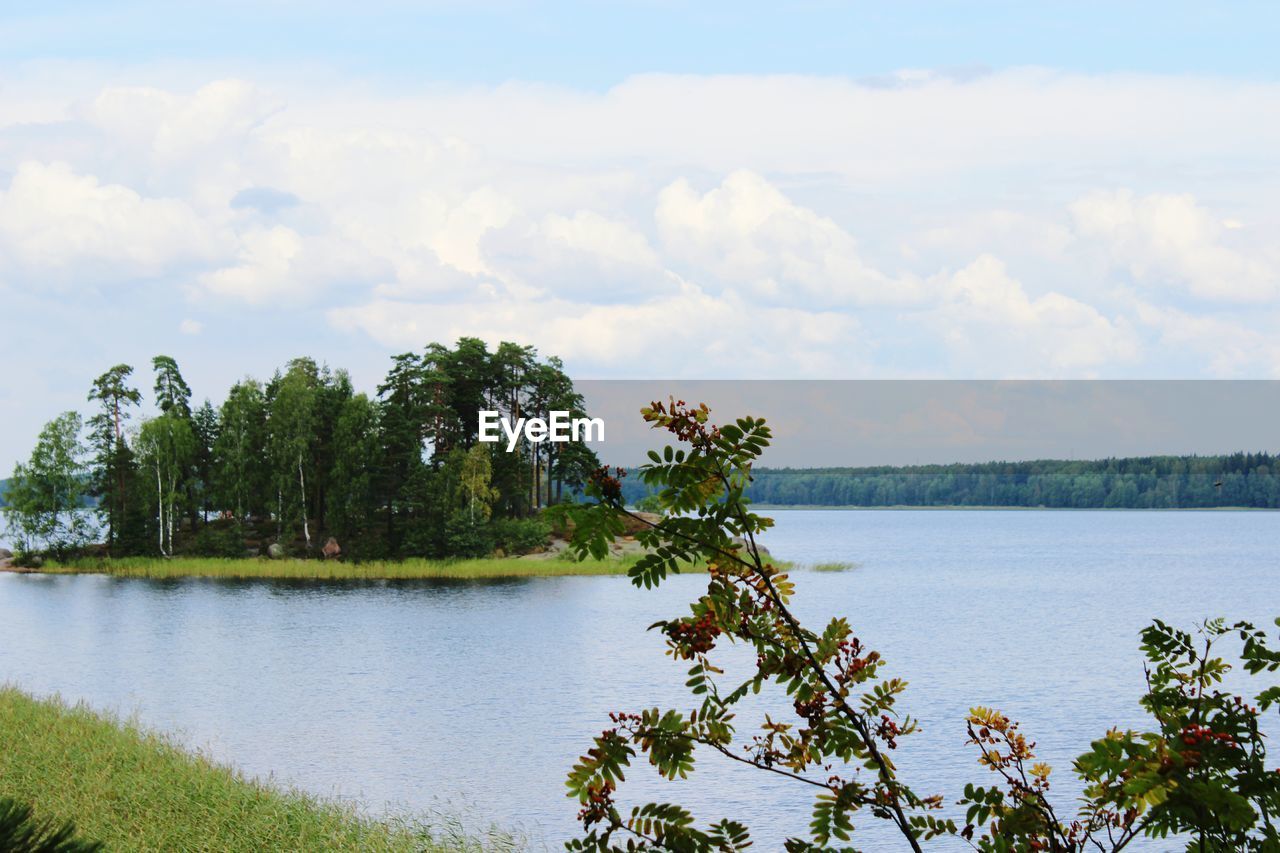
(160, 506)
(302, 484)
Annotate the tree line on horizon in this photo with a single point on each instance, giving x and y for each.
(1147, 482)
(304, 456)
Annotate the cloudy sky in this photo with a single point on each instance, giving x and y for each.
(648, 189)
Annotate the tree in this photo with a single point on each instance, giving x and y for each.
(239, 451)
(291, 423)
(353, 483)
(173, 395)
(204, 427)
(46, 495)
(475, 492)
(1201, 772)
(112, 461)
(166, 447)
(334, 391)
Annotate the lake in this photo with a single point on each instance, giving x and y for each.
(477, 697)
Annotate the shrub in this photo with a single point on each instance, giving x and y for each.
(1201, 770)
(519, 535)
(217, 541)
(467, 536)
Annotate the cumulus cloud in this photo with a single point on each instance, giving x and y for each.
(811, 226)
(61, 226)
(176, 126)
(1171, 241)
(987, 317)
(1229, 346)
(585, 256)
(747, 235)
(279, 266)
(687, 333)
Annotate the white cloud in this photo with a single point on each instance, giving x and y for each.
(277, 265)
(1228, 346)
(987, 318)
(748, 236)
(57, 225)
(808, 216)
(174, 126)
(191, 327)
(584, 256)
(688, 333)
(1166, 240)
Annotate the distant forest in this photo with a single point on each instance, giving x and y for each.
(1148, 482)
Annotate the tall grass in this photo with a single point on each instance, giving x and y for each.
(213, 567)
(136, 790)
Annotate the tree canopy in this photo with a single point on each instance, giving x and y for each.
(303, 456)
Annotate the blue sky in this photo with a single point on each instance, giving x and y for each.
(597, 44)
(711, 190)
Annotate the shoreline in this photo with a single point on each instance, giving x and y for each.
(250, 568)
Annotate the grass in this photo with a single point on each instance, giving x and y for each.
(834, 567)
(212, 567)
(137, 790)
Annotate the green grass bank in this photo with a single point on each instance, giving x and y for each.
(133, 789)
(213, 567)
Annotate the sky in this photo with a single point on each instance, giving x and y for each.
(649, 190)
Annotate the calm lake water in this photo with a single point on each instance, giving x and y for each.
(477, 697)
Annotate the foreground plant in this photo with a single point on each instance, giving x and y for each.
(1201, 772)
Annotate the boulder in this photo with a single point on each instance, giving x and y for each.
(275, 551)
(742, 543)
(642, 521)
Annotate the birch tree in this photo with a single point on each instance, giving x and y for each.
(166, 447)
(46, 493)
(291, 428)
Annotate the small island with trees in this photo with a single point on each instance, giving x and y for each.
(304, 466)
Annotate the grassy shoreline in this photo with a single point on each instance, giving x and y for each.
(134, 789)
(413, 569)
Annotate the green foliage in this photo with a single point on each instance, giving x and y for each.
(1201, 773)
(291, 440)
(112, 464)
(519, 535)
(239, 462)
(385, 476)
(218, 541)
(649, 503)
(475, 492)
(466, 535)
(166, 447)
(1150, 482)
(45, 493)
(353, 480)
(173, 395)
(21, 832)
